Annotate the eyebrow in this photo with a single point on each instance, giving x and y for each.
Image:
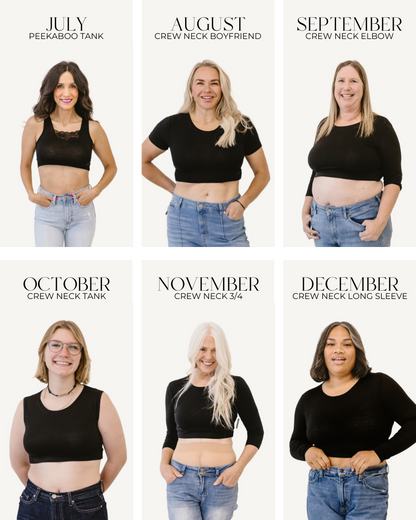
(211, 80)
(345, 339)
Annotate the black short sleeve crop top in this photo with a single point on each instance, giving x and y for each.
(64, 148)
(190, 417)
(70, 434)
(194, 154)
(344, 155)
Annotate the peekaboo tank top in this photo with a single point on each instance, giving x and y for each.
(70, 434)
(64, 148)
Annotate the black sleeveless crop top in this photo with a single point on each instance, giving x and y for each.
(64, 148)
(70, 434)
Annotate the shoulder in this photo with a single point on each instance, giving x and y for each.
(242, 389)
(381, 123)
(311, 395)
(33, 397)
(95, 129)
(34, 125)
(378, 378)
(177, 384)
(91, 392)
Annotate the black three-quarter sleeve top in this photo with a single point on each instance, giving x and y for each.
(344, 155)
(359, 420)
(190, 417)
(194, 154)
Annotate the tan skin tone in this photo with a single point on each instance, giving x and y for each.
(68, 476)
(206, 91)
(206, 362)
(340, 355)
(65, 179)
(327, 191)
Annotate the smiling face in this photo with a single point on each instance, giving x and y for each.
(206, 88)
(339, 352)
(61, 363)
(66, 92)
(206, 360)
(348, 89)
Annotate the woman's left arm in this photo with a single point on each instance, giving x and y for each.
(258, 164)
(374, 228)
(230, 476)
(102, 149)
(113, 439)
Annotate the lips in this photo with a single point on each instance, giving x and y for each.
(62, 363)
(338, 360)
(206, 363)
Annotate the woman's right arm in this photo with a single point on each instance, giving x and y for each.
(152, 172)
(169, 473)
(18, 455)
(306, 217)
(28, 149)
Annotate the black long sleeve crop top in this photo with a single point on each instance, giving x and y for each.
(344, 155)
(194, 154)
(70, 434)
(359, 420)
(190, 417)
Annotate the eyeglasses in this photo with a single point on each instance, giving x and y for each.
(56, 346)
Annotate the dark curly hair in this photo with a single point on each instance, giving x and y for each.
(319, 371)
(46, 103)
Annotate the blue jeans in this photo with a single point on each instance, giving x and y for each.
(194, 496)
(203, 224)
(65, 222)
(339, 226)
(84, 504)
(338, 493)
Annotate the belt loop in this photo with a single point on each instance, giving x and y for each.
(217, 472)
(345, 212)
(36, 495)
(70, 501)
(180, 201)
(55, 198)
(102, 486)
(378, 196)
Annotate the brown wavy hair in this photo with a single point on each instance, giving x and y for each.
(46, 103)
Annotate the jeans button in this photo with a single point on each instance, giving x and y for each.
(341, 471)
(53, 495)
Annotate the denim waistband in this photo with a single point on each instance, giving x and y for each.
(342, 209)
(50, 496)
(201, 470)
(216, 206)
(348, 472)
(57, 197)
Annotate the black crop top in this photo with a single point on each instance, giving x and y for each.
(70, 434)
(361, 419)
(191, 417)
(194, 154)
(64, 148)
(344, 155)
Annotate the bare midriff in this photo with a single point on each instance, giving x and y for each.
(339, 462)
(204, 452)
(216, 192)
(329, 191)
(60, 180)
(61, 477)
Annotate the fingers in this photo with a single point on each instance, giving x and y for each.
(177, 473)
(218, 481)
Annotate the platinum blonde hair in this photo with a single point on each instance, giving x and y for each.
(366, 127)
(226, 111)
(221, 387)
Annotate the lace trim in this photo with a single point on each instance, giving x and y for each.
(66, 136)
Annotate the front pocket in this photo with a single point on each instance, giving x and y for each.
(377, 482)
(89, 505)
(27, 499)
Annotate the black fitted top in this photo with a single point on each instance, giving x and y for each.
(190, 417)
(359, 420)
(70, 434)
(344, 155)
(64, 148)
(194, 154)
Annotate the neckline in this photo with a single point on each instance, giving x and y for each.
(63, 409)
(347, 126)
(340, 395)
(65, 131)
(199, 130)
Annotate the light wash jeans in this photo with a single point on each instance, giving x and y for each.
(338, 494)
(339, 226)
(194, 496)
(203, 224)
(65, 222)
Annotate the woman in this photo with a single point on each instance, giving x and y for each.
(58, 434)
(63, 134)
(201, 410)
(209, 139)
(343, 427)
(346, 204)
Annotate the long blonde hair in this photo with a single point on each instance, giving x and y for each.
(221, 387)
(226, 111)
(366, 127)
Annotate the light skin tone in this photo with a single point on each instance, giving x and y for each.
(206, 91)
(328, 191)
(65, 179)
(71, 475)
(206, 363)
(340, 357)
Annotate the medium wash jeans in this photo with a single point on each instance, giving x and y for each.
(203, 224)
(84, 504)
(339, 226)
(194, 496)
(338, 493)
(65, 222)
